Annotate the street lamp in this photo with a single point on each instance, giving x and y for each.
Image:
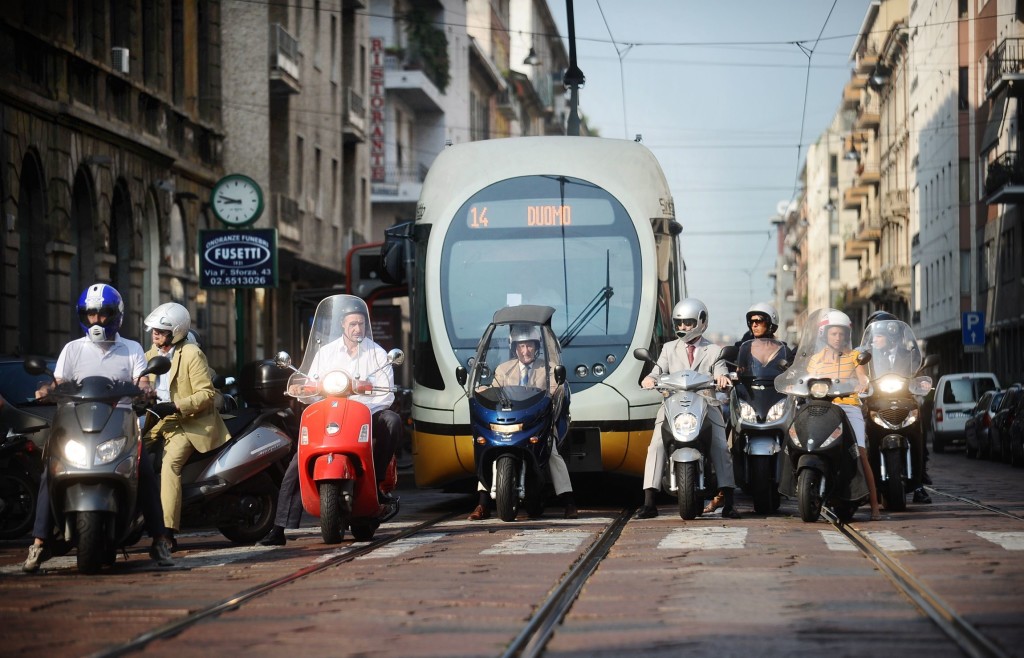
(532, 59)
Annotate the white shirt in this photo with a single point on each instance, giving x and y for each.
(371, 356)
(120, 360)
(163, 382)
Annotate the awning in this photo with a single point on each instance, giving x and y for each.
(995, 123)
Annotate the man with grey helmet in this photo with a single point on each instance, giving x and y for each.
(690, 351)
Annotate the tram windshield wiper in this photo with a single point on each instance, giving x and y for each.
(599, 301)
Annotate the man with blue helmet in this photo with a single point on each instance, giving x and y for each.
(101, 352)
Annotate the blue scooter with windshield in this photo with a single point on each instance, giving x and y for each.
(518, 407)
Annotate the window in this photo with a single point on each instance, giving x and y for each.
(833, 170)
(965, 272)
(316, 34)
(318, 183)
(833, 262)
(964, 90)
(333, 55)
(964, 171)
(300, 191)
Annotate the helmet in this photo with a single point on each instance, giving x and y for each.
(835, 318)
(523, 332)
(767, 310)
(170, 317)
(106, 301)
(693, 310)
(878, 316)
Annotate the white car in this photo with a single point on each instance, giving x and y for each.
(956, 396)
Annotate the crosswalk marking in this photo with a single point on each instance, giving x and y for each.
(889, 541)
(405, 545)
(836, 541)
(696, 539)
(1011, 541)
(537, 542)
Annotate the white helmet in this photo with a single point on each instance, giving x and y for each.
(767, 310)
(170, 317)
(692, 310)
(523, 332)
(835, 318)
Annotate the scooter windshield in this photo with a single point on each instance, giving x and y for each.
(761, 358)
(340, 339)
(893, 349)
(825, 353)
(514, 365)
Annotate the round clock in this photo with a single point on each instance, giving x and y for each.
(237, 200)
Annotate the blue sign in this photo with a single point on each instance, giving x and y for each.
(244, 258)
(972, 326)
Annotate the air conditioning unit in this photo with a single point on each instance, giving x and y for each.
(119, 60)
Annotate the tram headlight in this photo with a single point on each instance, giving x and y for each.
(582, 371)
(598, 370)
(890, 384)
(777, 411)
(747, 413)
(684, 424)
(335, 382)
(108, 451)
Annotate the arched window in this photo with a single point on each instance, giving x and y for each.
(32, 321)
(121, 250)
(83, 225)
(151, 254)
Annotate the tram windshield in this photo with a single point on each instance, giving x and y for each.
(548, 240)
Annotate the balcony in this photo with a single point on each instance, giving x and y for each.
(866, 62)
(286, 214)
(896, 276)
(1004, 180)
(897, 203)
(854, 247)
(400, 185)
(411, 85)
(354, 117)
(867, 173)
(1006, 68)
(285, 61)
(869, 112)
(853, 197)
(508, 104)
(869, 229)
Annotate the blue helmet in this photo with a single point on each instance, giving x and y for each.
(104, 300)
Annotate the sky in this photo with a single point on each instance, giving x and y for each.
(727, 94)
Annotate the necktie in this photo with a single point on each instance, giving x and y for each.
(525, 379)
(690, 348)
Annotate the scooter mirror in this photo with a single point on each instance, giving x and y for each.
(730, 353)
(863, 358)
(396, 357)
(158, 365)
(35, 365)
(642, 354)
(559, 374)
(283, 360)
(461, 375)
(929, 361)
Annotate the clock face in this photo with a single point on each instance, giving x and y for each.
(237, 200)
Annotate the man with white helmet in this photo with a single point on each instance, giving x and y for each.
(101, 352)
(186, 403)
(691, 351)
(527, 370)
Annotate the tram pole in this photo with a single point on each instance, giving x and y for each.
(574, 78)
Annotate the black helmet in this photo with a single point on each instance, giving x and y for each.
(879, 316)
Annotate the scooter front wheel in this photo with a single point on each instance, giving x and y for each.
(506, 488)
(92, 541)
(690, 504)
(892, 489)
(809, 490)
(334, 512)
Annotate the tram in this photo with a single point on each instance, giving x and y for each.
(582, 224)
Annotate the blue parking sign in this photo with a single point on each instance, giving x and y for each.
(972, 326)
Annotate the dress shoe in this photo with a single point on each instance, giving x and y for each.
(480, 513)
(274, 538)
(646, 512)
(921, 496)
(571, 512)
(730, 513)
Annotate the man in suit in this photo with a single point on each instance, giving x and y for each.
(527, 370)
(691, 351)
(186, 403)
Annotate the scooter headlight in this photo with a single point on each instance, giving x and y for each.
(920, 385)
(684, 424)
(777, 411)
(747, 413)
(108, 451)
(76, 454)
(819, 389)
(836, 434)
(506, 429)
(335, 383)
(890, 384)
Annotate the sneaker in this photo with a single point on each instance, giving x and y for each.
(36, 556)
(160, 551)
(921, 496)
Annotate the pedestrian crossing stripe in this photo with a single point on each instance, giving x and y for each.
(404, 545)
(699, 539)
(1011, 541)
(539, 542)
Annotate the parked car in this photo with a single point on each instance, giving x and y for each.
(19, 388)
(976, 429)
(956, 396)
(1001, 421)
(1017, 436)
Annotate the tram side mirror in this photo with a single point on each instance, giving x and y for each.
(641, 354)
(461, 375)
(559, 374)
(863, 358)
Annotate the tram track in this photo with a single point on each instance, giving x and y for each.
(965, 635)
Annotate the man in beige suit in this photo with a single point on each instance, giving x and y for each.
(186, 403)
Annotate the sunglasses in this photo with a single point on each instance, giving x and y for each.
(758, 321)
(162, 332)
(686, 323)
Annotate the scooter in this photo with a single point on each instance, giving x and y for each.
(822, 465)
(21, 466)
(760, 417)
(336, 471)
(234, 487)
(515, 424)
(93, 460)
(686, 432)
(892, 410)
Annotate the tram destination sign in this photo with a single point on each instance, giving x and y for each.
(243, 258)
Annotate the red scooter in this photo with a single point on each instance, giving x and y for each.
(336, 473)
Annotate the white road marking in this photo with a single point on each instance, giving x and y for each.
(536, 542)
(696, 539)
(836, 541)
(1011, 541)
(396, 548)
(889, 541)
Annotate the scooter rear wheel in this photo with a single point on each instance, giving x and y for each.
(333, 513)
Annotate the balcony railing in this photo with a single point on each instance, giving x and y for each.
(1004, 179)
(1006, 63)
(285, 60)
(354, 123)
